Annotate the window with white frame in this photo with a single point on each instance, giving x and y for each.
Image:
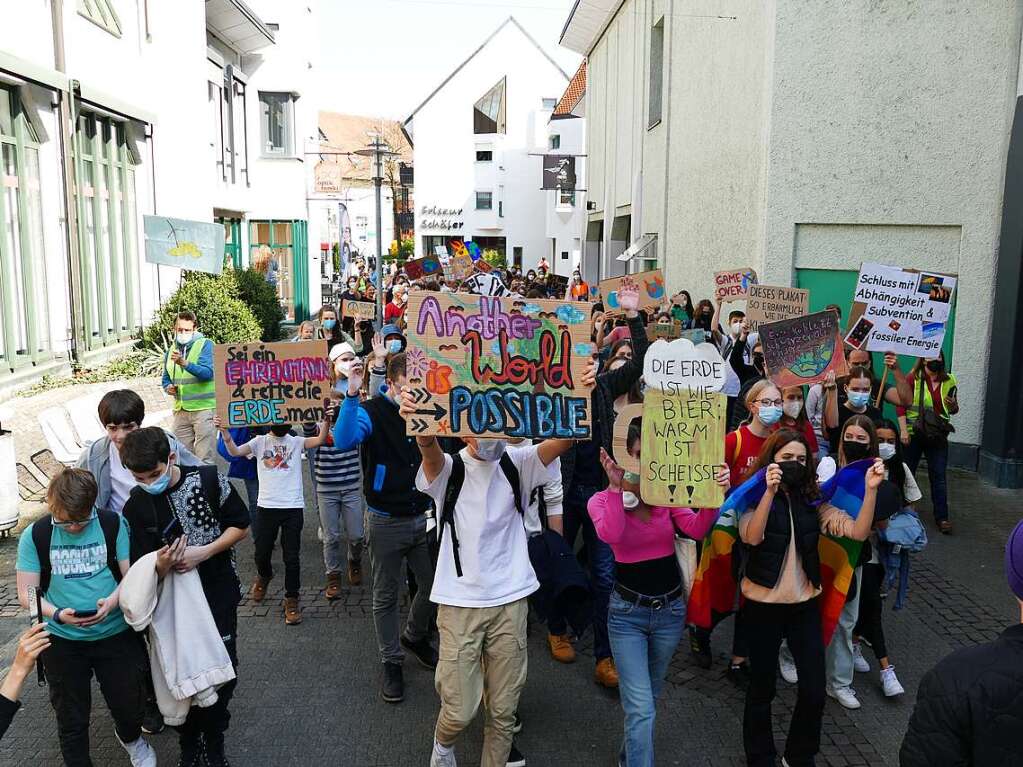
(484, 200)
(555, 141)
(484, 155)
(656, 72)
(102, 14)
(566, 198)
(549, 104)
(489, 113)
(277, 123)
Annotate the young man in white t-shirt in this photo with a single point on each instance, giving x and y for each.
(280, 506)
(481, 583)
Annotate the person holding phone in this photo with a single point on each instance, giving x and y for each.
(76, 556)
(31, 645)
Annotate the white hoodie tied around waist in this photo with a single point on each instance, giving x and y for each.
(187, 654)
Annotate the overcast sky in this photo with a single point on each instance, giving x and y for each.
(383, 57)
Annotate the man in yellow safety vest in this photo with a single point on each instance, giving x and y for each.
(188, 377)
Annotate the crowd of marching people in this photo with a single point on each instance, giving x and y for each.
(141, 541)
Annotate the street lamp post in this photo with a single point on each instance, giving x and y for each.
(378, 150)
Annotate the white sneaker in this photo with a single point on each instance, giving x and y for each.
(440, 759)
(890, 682)
(788, 668)
(844, 695)
(140, 752)
(859, 662)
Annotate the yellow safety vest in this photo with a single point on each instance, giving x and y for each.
(192, 394)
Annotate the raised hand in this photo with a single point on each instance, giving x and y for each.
(379, 350)
(615, 473)
(355, 376)
(875, 474)
(773, 478)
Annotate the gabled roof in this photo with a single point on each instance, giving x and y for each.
(460, 67)
(587, 22)
(573, 94)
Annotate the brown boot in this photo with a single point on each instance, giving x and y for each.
(606, 675)
(561, 649)
(355, 572)
(258, 591)
(333, 590)
(292, 613)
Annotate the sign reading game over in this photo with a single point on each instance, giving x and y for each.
(259, 384)
(900, 310)
(489, 366)
(734, 284)
(803, 350)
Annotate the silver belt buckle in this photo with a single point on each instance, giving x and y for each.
(657, 604)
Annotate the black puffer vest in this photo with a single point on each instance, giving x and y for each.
(763, 565)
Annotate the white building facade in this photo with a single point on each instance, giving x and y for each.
(114, 109)
(477, 142)
(803, 138)
(566, 209)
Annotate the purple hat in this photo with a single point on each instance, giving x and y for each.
(1014, 561)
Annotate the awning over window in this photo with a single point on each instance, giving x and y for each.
(638, 247)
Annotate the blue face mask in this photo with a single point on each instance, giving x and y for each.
(394, 345)
(859, 398)
(160, 485)
(329, 324)
(770, 415)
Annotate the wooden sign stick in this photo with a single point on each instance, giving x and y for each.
(880, 389)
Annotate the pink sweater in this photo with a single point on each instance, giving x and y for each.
(633, 540)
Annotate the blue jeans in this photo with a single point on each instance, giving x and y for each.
(601, 563)
(937, 465)
(643, 640)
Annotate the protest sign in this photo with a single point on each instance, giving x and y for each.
(803, 350)
(668, 331)
(483, 266)
(360, 310)
(651, 291)
(194, 245)
(696, 335)
(557, 285)
(486, 285)
(460, 266)
(258, 384)
(900, 310)
(474, 250)
(683, 438)
(498, 367)
(421, 267)
(770, 303)
(733, 285)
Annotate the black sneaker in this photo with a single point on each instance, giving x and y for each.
(739, 674)
(423, 651)
(214, 750)
(517, 727)
(192, 753)
(152, 719)
(515, 758)
(392, 688)
(699, 646)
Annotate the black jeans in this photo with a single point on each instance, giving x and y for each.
(212, 722)
(119, 665)
(289, 523)
(868, 624)
(767, 625)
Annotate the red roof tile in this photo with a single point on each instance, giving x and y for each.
(574, 93)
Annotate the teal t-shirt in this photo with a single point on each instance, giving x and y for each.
(79, 576)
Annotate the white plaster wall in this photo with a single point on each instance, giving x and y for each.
(889, 133)
(445, 146)
(565, 226)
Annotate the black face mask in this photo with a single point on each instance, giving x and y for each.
(855, 451)
(936, 366)
(793, 473)
(281, 430)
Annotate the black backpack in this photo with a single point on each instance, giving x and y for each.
(455, 482)
(42, 534)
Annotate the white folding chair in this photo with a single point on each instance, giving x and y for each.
(60, 437)
(85, 419)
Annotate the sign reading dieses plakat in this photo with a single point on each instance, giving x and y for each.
(488, 366)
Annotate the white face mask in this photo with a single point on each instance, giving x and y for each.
(736, 328)
(629, 499)
(886, 450)
(343, 367)
(490, 449)
(183, 338)
(793, 407)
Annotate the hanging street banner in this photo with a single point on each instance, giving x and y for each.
(486, 284)
(900, 310)
(651, 291)
(485, 366)
(734, 284)
(683, 438)
(770, 303)
(559, 172)
(360, 310)
(197, 246)
(259, 384)
(803, 350)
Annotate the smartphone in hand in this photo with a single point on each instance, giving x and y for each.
(172, 532)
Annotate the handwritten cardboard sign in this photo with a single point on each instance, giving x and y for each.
(683, 437)
(900, 310)
(460, 266)
(770, 303)
(733, 285)
(258, 384)
(418, 268)
(651, 291)
(360, 310)
(803, 350)
(489, 366)
(557, 285)
(484, 266)
(668, 331)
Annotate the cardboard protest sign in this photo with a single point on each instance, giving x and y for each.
(695, 336)
(683, 438)
(258, 384)
(733, 285)
(900, 310)
(486, 285)
(474, 250)
(770, 303)
(668, 331)
(557, 285)
(488, 366)
(418, 268)
(460, 266)
(483, 266)
(803, 350)
(360, 310)
(651, 291)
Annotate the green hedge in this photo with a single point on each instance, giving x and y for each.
(216, 301)
(261, 297)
